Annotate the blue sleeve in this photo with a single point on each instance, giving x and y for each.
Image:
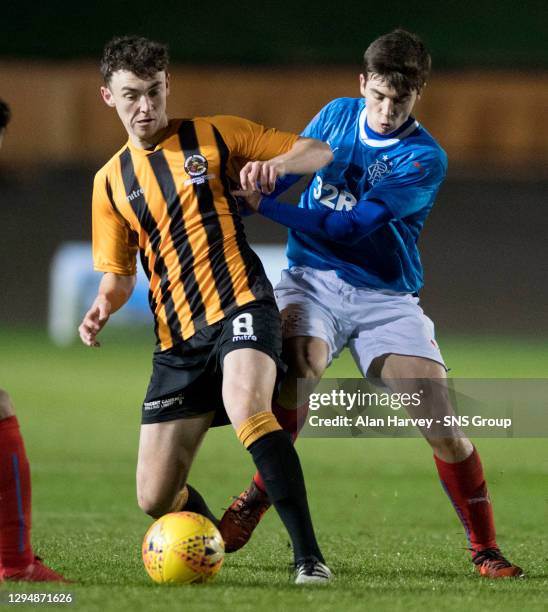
(348, 226)
(284, 183)
(410, 187)
(315, 128)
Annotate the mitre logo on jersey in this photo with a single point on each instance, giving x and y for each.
(135, 194)
(378, 170)
(196, 165)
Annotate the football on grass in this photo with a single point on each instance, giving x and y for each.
(183, 547)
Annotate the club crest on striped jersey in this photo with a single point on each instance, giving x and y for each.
(196, 165)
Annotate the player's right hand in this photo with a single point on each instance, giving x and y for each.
(94, 320)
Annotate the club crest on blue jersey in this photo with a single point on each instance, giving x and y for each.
(378, 170)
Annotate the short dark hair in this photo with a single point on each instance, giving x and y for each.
(136, 54)
(399, 58)
(5, 114)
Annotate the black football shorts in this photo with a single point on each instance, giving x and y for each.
(187, 378)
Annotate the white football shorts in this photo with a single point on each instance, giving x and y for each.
(370, 322)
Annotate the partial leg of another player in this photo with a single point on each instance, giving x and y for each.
(306, 358)
(457, 461)
(17, 559)
(249, 376)
(166, 453)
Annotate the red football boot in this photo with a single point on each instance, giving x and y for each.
(241, 518)
(35, 572)
(490, 563)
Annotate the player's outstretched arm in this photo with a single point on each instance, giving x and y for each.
(306, 156)
(114, 291)
(342, 226)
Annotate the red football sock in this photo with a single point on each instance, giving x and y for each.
(291, 421)
(15, 496)
(465, 485)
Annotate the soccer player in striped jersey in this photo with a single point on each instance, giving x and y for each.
(17, 559)
(355, 272)
(166, 195)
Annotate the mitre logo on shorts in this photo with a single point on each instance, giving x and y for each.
(378, 170)
(244, 337)
(242, 328)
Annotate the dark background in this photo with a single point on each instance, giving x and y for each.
(459, 33)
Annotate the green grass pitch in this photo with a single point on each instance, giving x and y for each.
(386, 527)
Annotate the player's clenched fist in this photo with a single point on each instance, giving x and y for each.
(261, 175)
(94, 320)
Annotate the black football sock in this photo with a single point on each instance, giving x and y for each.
(280, 468)
(196, 503)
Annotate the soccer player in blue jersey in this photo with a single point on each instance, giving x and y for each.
(354, 273)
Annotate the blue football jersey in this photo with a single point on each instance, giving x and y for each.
(403, 169)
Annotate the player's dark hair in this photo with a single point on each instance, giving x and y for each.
(136, 54)
(399, 58)
(5, 114)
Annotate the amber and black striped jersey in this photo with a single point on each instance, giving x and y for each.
(173, 205)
